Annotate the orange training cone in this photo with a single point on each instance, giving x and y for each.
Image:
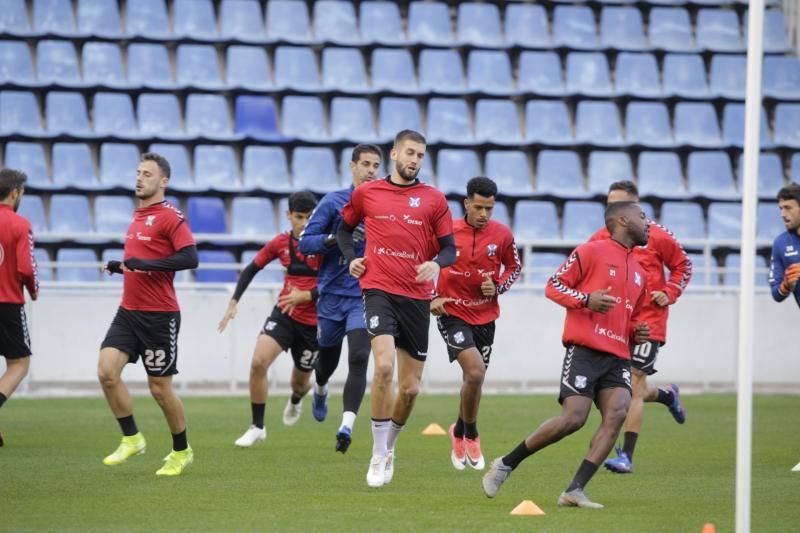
(709, 528)
(434, 429)
(527, 508)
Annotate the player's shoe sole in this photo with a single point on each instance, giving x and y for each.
(176, 462)
(251, 436)
(576, 498)
(458, 455)
(343, 439)
(495, 477)
(128, 447)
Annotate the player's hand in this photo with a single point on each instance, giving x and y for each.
(488, 288)
(427, 271)
(34, 296)
(358, 267)
(792, 274)
(230, 314)
(437, 305)
(660, 298)
(600, 301)
(359, 234)
(641, 333)
(112, 267)
(292, 299)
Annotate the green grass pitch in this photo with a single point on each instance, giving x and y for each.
(52, 479)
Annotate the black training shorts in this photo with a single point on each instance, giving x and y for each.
(459, 335)
(151, 335)
(15, 340)
(643, 356)
(404, 318)
(586, 372)
(300, 339)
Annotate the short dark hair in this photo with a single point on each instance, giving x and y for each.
(160, 160)
(11, 180)
(624, 185)
(302, 202)
(790, 192)
(365, 149)
(481, 185)
(613, 210)
(409, 135)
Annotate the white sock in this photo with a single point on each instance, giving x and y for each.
(321, 390)
(380, 430)
(394, 432)
(348, 419)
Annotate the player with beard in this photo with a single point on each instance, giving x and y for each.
(784, 268)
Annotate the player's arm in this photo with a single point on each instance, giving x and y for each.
(446, 257)
(561, 288)
(263, 258)
(782, 278)
(513, 267)
(295, 297)
(680, 270)
(26, 263)
(317, 237)
(352, 215)
(183, 259)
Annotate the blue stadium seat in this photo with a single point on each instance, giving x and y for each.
(660, 174)
(148, 65)
(206, 215)
(685, 75)
(607, 167)
(775, 37)
(351, 118)
(781, 77)
(540, 72)
(397, 114)
(496, 121)
(429, 23)
(509, 169)
(621, 27)
(181, 176)
(535, 219)
(500, 214)
(647, 123)
(454, 168)
(147, 18)
(102, 65)
(489, 72)
(256, 117)
(44, 272)
(710, 174)
(99, 17)
(598, 123)
(728, 75)
(283, 207)
(526, 25)
(587, 73)
(769, 221)
(252, 216)
(265, 167)
(684, 219)
(29, 158)
(53, 16)
(72, 166)
(733, 126)
(787, 119)
(273, 273)
(696, 124)
(194, 19)
(288, 20)
(448, 120)
(314, 169)
(733, 263)
(704, 274)
(14, 17)
(77, 274)
(456, 208)
(547, 121)
(794, 168)
(66, 113)
(559, 172)
(574, 26)
(295, 66)
(207, 116)
(724, 221)
(32, 208)
(215, 168)
(637, 75)
(343, 68)
(113, 115)
(56, 62)
(581, 219)
(393, 69)
(70, 213)
(197, 66)
(113, 214)
(543, 266)
(718, 30)
(479, 24)
(380, 22)
(248, 67)
(16, 64)
(303, 118)
(671, 29)
(241, 19)
(441, 71)
(215, 275)
(770, 174)
(118, 163)
(335, 21)
(159, 115)
(19, 113)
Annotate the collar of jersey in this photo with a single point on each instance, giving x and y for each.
(393, 184)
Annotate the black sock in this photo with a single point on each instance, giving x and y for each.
(3, 399)
(665, 396)
(471, 430)
(629, 443)
(258, 414)
(179, 441)
(128, 425)
(583, 475)
(458, 430)
(295, 399)
(517, 455)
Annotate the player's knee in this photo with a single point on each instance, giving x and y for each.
(159, 392)
(258, 366)
(616, 416)
(475, 376)
(409, 390)
(106, 376)
(383, 371)
(572, 422)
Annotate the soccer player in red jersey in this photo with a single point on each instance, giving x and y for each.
(662, 251)
(158, 244)
(403, 218)
(17, 270)
(292, 326)
(466, 307)
(603, 287)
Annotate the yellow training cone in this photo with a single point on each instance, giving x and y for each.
(434, 429)
(796, 468)
(527, 508)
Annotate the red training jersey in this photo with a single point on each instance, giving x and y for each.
(593, 266)
(662, 250)
(480, 252)
(156, 232)
(401, 223)
(301, 272)
(17, 263)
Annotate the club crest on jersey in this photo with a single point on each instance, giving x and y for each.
(270, 325)
(612, 273)
(580, 382)
(414, 201)
(491, 250)
(458, 337)
(150, 220)
(637, 279)
(374, 322)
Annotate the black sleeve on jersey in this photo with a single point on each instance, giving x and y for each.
(245, 278)
(344, 238)
(314, 294)
(447, 251)
(183, 259)
(115, 267)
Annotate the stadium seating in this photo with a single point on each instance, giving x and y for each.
(454, 168)
(540, 73)
(335, 21)
(241, 19)
(102, 65)
(288, 20)
(559, 172)
(16, 64)
(660, 175)
(637, 75)
(581, 220)
(397, 114)
(710, 174)
(216, 275)
(535, 220)
(607, 167)
(83, 273)
(19, 113)
(32, 208)
(526, 25)
(731, 275)
(509, 169)
(118, 163)
(489, 72)
(380, 22)
(113, 115)
(265, 167)
(496, 121)
(252, 216)
(684, 219)
(547, 121)
(670, 29)
(449, 121)
(72, 166)
(724, 221)
(393, 69)
(215, 168)
(343, 68)
(53, 16)
(314, 169)
(147, 18)
(113, 214)
(647, 123)
(149, 66)
(429, 23)
(543, 266)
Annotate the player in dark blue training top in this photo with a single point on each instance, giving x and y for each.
(784, 270)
